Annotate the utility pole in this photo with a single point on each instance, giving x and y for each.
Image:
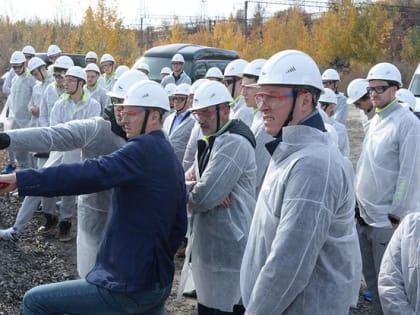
(246, 19)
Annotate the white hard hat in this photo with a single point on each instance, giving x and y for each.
(196, 84)
(17, 58)
(92, 67)
(120, 70)
(170, 88)
(77, 72)
(407, 97)
(328, 96)
(356, 90)
(291, 68)
(91, 55)
(125, 81)
(330, 75)
(107, 57)
(53, 50)
(178, 58)
(165, 70)
(385, 71)
(182, 89)
(63, 62)
(28, 50)
(147, 94)
(235, 68)
(143, 66)
(210, 93)
(254, 67)
(214, 72)
(35, 63)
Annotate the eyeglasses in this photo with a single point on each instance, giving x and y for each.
(116, 101)
(378, 89)
(204, 112)
(179, 98)
(228, 82)
(268, 99)
(130, 113)
(106, 64)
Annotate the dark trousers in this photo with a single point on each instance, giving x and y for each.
(204, 310)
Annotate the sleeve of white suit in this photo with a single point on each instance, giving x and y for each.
(222, 172)
(406, 198)
(62, 137)
(391, 284)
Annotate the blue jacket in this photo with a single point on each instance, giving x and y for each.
(148, 218)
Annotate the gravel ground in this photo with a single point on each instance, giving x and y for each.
(36, 260)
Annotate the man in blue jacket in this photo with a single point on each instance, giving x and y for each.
(134, 267)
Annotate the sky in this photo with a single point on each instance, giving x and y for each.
(129, 10)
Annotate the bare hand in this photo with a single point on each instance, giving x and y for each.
(190, 175)
(227, 203)
(7, 183)
(35, 111)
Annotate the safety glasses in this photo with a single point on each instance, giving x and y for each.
(378, 89)
(268, 99)
(207, 112)
(131, 113)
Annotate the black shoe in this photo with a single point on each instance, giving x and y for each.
(190, 294)
(50, 224)
(64, 234)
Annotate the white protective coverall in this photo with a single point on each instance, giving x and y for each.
(262, 157)
(184, 78)
(64, 110)
(7, 84)
(50, 96)
(302, 255)
(343, 138)
(37, 93)
(365, 119)
(337, 131)
(20, 95)
(386, 178)
(179, 137)
(191, 149)
(219, 235)
(109, 81)
(239, 110)
(95, 138)
(19, 115)
(399, 276)
(341, 110)
(98, 93)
